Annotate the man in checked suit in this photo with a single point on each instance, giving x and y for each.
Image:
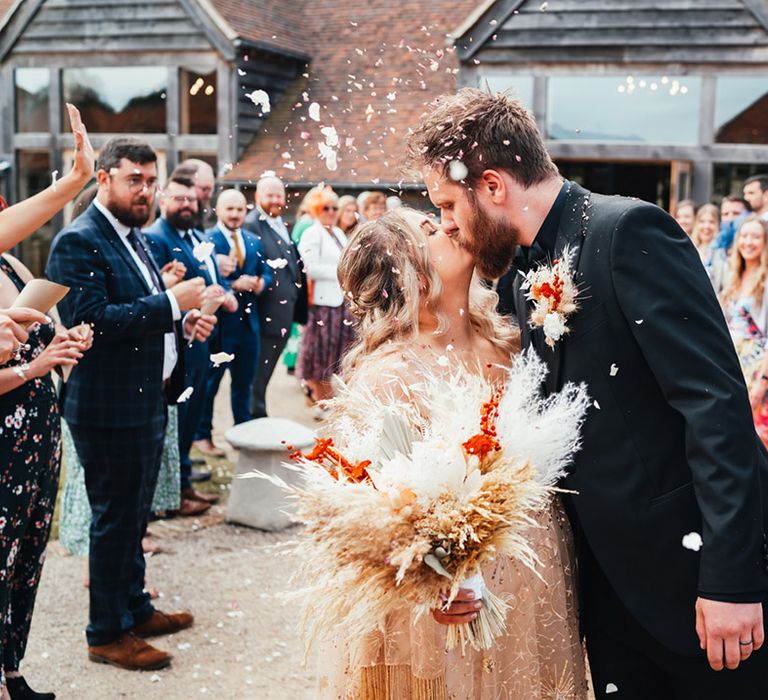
(173, 239)
(115, 400)
(284, 302)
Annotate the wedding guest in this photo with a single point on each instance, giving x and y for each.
(733, 210)
(329, 331)
(201, 174)
(705, 230)
(756, 194)
(242, 262)
(115, 401)
(685, 214)
(348, 215)
(174, 241)
(12, 329)
(30, 452)
(361, 200)
(745, 302)
(375, 206)
(284, 301)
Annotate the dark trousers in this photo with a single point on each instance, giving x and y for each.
(624, 655)
(271, 349)
(121, 467)
(196, 374)
(242, 370)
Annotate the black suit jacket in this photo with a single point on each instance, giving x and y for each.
(285, 301)
(119, 382)
(669, 446)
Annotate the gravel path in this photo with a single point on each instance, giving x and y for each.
(244, 644)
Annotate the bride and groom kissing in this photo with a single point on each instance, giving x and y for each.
(668, 444)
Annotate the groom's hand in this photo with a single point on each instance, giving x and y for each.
(463, 609)
(725, 630)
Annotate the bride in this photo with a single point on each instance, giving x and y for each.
(421, 310)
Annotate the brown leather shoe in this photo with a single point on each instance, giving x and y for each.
(163, 623)
(131, 653)
(191, 508)
(193, 494)
(208, 448)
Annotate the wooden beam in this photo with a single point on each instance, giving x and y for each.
(485, 27)
(221, 36)
(14, 29)
(759, 8)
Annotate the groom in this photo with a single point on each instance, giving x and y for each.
(669, 446)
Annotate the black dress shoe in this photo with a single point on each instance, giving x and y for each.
(19, 690)
(197, 475)
(197, 461)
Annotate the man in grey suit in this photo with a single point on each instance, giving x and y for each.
(284, 302)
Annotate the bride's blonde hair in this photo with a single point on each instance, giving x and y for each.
(386, 273)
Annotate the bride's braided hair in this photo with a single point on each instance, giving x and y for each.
(386, 272)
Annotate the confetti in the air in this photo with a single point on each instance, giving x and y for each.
(185, 394)
(314, 112)
(221, 358)
(277, 263)
(458, 171)
(261, 99)
(203, 250)
(611, 688)
(614, 370)
(693, 541)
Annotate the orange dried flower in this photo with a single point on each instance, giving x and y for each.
(485, 442)
(325, 454)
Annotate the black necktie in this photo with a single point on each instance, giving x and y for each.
(141, 251)
(527, 258)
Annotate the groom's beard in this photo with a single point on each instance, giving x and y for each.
(491, 243)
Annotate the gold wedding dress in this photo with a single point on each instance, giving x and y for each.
(538, 658)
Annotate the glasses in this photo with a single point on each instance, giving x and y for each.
(182, 198)
(330, 207)
(137, 184)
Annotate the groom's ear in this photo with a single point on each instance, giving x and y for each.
(492, 181)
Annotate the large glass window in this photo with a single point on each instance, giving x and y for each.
(729, 177)
(741, 110)
(33, 175)
(636, 108)
(118, 100)
(519, 86)
(198, 102)
(32, 99)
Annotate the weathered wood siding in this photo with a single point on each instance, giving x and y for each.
(81, 26)
(257, 70)
(619, 31)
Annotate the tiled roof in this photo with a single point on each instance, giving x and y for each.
(266, 22)
(374, 68)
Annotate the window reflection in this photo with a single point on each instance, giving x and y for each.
(32, 99)
(118, 100)
(198, 102)
(741, 110)
(519, 86)
(640, 109)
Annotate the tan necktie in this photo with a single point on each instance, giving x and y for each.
(238, 250)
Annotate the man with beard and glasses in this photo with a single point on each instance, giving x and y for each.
(284, 302)
(176, 246)
(668, 494)
(115, 400)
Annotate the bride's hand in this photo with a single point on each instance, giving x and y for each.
(463, 609)
(83, 166)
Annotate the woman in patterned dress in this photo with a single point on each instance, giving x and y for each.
(30, 455)
(745, 302)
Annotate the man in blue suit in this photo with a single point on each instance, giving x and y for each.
(241, 259)
(173, 240)
(115, 400)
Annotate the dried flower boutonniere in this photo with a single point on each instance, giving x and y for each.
(553, 292)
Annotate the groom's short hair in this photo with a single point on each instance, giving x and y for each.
(482, 131)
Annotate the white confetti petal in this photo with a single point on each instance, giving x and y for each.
(639, 321)
(202, 251)
(277, 263)
(221, 358)
(614, 370)
(314, 112)
(693, 541)
(458, 171)
(184, 395)
(596, 405)
(261, 99)
(443, 361)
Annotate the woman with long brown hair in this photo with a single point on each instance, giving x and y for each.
(745, 302)
(706, 226)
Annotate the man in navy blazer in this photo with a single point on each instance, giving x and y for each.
(241, 259)
(284, 302)
(175, 244)
(115, 400)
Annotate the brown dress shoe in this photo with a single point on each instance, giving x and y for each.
(163, 623)
(131, 653)
(193, 494)
(191, 508)
(208, 448)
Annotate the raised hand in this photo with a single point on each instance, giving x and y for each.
(85, 157)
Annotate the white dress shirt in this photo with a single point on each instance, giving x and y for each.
(276, 224)
(170, 356)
